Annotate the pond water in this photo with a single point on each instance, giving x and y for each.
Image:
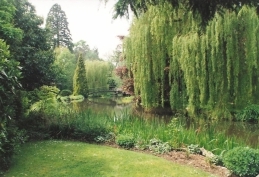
(114, 105)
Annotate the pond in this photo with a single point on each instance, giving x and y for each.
(116, 106)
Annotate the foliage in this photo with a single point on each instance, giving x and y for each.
(176, 64)
(10, 136)
(217, 160)
(65, 93)
(111, 83)
(159, 147)
(174, 129)
(206, 8)
(47, 102)
(107, 138)
(97, 74)
(81, 47)
(249, 113)
(33, 51)
(125, 141)
(65, 64)
(58, 25)
(80, 83)
(8, 30)
(194, 149)
(242, 161)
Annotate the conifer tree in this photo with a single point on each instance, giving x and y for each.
(80, 84)
(58, 25)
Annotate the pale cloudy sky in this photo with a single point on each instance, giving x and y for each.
(89, 20)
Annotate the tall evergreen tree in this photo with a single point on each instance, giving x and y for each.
(58, 25)
(80, 84)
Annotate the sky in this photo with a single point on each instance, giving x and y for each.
(89, 20)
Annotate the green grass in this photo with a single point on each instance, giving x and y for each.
(64, 158)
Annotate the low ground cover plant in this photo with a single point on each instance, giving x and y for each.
(157, 146)
(125, 141)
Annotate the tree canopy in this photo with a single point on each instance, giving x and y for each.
(174, 63)
(65, 64)
(33, 51)
(82, 48)
(8, 30)
(206, 8)
(58, 25)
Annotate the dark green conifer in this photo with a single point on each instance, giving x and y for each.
(80, 84)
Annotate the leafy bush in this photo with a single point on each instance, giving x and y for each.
(158, 146)
(106, 138)
(217, 160)
(65, 93)
(141, 144)
(174, 128)
(194, 149)
(249, 114)
(10, 140)
(242, 161)
(125, 141)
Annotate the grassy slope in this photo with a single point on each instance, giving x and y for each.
(63, 158)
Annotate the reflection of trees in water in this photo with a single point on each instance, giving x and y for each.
(103, 105)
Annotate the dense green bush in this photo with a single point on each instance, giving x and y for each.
(11, 108)
(242, 161)
(125, 141)
(65, 93)
(249, 114)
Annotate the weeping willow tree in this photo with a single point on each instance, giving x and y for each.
(97, 73)
(148, 53)
(175, 62)
(220, 66)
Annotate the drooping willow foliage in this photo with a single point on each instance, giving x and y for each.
(97, 73)
(175, 63)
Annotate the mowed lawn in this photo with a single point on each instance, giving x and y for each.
(76, 159)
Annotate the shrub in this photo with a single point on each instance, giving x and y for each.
(158, 146)
(125, 141)
(242, 161)
(141, 144)
(174, 129)
(108, 138)
(194, 149)
(249, 114)
(217, 160)
(65, 93)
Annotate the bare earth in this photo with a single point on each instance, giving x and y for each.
(197, 161)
